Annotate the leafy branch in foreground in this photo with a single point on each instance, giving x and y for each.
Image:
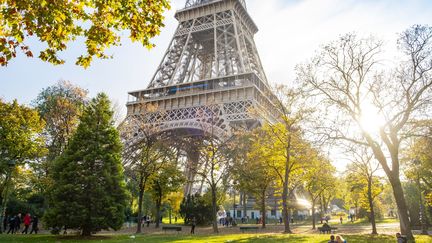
(56, 23)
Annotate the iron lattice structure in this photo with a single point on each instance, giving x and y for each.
(210, 76)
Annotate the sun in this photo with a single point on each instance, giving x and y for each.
(370, 119)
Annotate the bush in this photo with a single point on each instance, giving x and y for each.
(196, 206)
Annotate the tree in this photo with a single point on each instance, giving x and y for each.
(319, 179)
(419, 171)
(174, 200)
(146, 151)
(55, 23)
(60, 106)
(353, 91)
(362, 179)
(286, 154)
(143, 160)
(166, 180)
(90, 192)
(250, 168)
(285, 142)
(195, 206)
(216, 164)
(20, 137)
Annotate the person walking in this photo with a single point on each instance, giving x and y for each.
(341, 219)
(11, 225)
(5, 222)
(17, 222)
(27, 221)
(148, 221)
(193, 225)
(35, 222)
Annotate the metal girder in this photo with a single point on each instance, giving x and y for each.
(214, 45)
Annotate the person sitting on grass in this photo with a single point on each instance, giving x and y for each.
(339, 239)
(400, 238)
(332, 239)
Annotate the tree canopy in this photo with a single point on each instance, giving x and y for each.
(56, 23)
(60, 106)
(90, 192)
(20, 129)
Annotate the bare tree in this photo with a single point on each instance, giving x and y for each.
(346, 76)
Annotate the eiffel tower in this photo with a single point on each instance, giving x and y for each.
(210, 73)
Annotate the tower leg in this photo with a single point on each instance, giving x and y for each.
(191, 170)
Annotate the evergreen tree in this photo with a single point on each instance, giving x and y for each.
(89, 189)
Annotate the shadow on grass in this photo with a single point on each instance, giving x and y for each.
(268, 238)
(278, 238)
(235, 238)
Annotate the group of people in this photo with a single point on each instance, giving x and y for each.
(146, 219)
(14, 223)
(245, 220)
(337, 239)
(227, 221)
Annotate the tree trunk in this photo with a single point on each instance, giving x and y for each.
(398, 193)
(322, 209)
(158, 214)
(140, 202)
(263, 208)
(86, 231)
(234, 207)
(214, 206)
(285, 213)
(285, 189)
(244, 206)
(371, 207)
(313, 215)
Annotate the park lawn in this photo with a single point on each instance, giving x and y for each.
(236, 238)
(365, 221)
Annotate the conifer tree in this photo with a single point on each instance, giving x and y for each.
(89, 189)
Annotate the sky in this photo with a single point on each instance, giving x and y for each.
(290, 33)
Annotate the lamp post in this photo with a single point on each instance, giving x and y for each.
(11, 165)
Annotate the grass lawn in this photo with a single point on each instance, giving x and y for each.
(237, 238)
(366, 222)
(361, 222)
